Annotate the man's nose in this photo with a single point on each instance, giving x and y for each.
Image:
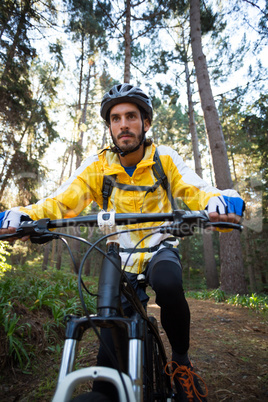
(124, 123)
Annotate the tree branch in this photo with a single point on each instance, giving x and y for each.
(255, 5)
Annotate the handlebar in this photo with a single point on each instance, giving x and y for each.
(181, 223)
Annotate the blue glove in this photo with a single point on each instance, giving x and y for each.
(2, 217)
(224, 205)
(12, 218)
(235, 205)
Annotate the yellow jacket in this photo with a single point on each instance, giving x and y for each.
(85, 186)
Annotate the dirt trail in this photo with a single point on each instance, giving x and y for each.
(228, 349)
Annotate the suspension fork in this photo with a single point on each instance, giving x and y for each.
(107, 306)
(136, 331)
(75, 327)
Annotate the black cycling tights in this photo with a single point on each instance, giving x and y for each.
(165, 277)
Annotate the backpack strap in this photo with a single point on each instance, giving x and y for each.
(160, 175)
(107, 188)
(109, 182)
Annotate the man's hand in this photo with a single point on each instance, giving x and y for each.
(10, 221)
(225, 208)
(11, 230)
(216, 217)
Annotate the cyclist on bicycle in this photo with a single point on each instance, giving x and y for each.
(128, 113)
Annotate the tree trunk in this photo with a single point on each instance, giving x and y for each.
(250, 263)
(127, 43)
(104, 137)
(46, 256)
(52, 258)
(59, 255)
(76, 247)
(212, 122)
(211, 273)
(232, 270)
(82, 121)
(87, 266)
(192, 124)
(71, 159)
(5, 23)
(17, 39)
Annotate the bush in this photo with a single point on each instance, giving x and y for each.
(32, 310)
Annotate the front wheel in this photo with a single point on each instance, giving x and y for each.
(156, 382)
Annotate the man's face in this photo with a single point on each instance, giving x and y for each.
(126, 125)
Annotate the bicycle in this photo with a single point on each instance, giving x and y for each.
(141, 372)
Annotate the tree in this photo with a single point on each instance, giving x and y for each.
(87, 26)
(26, 89)
(131, 22)
(209, 256)
(232, 270)
(245, 129)
(181, 55)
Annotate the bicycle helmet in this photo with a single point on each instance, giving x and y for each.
(125, 93)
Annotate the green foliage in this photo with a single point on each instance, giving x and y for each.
(210, 21)
(171, 126)
(4, 252)
(24, 297)
(254, 301)
(26, 90)
(87, 20)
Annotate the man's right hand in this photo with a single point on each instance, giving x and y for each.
(10, 221)
(8, 230)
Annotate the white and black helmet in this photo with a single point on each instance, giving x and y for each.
(125, 93)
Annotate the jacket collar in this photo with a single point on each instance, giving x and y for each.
(111, 162)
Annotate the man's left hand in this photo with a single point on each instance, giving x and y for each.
(225, 209)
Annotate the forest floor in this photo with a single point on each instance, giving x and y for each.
(228, 350)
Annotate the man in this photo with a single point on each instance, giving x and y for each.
(127, 111)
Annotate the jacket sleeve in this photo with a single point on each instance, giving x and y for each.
(73, 196)
(184, 182)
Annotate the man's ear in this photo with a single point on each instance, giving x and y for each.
(147, 124)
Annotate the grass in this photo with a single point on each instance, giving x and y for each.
(254, 301)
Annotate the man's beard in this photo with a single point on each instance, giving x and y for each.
(126, 145)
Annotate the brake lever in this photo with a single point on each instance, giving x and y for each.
(224, 225)
(27, 228)
(37, 230)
